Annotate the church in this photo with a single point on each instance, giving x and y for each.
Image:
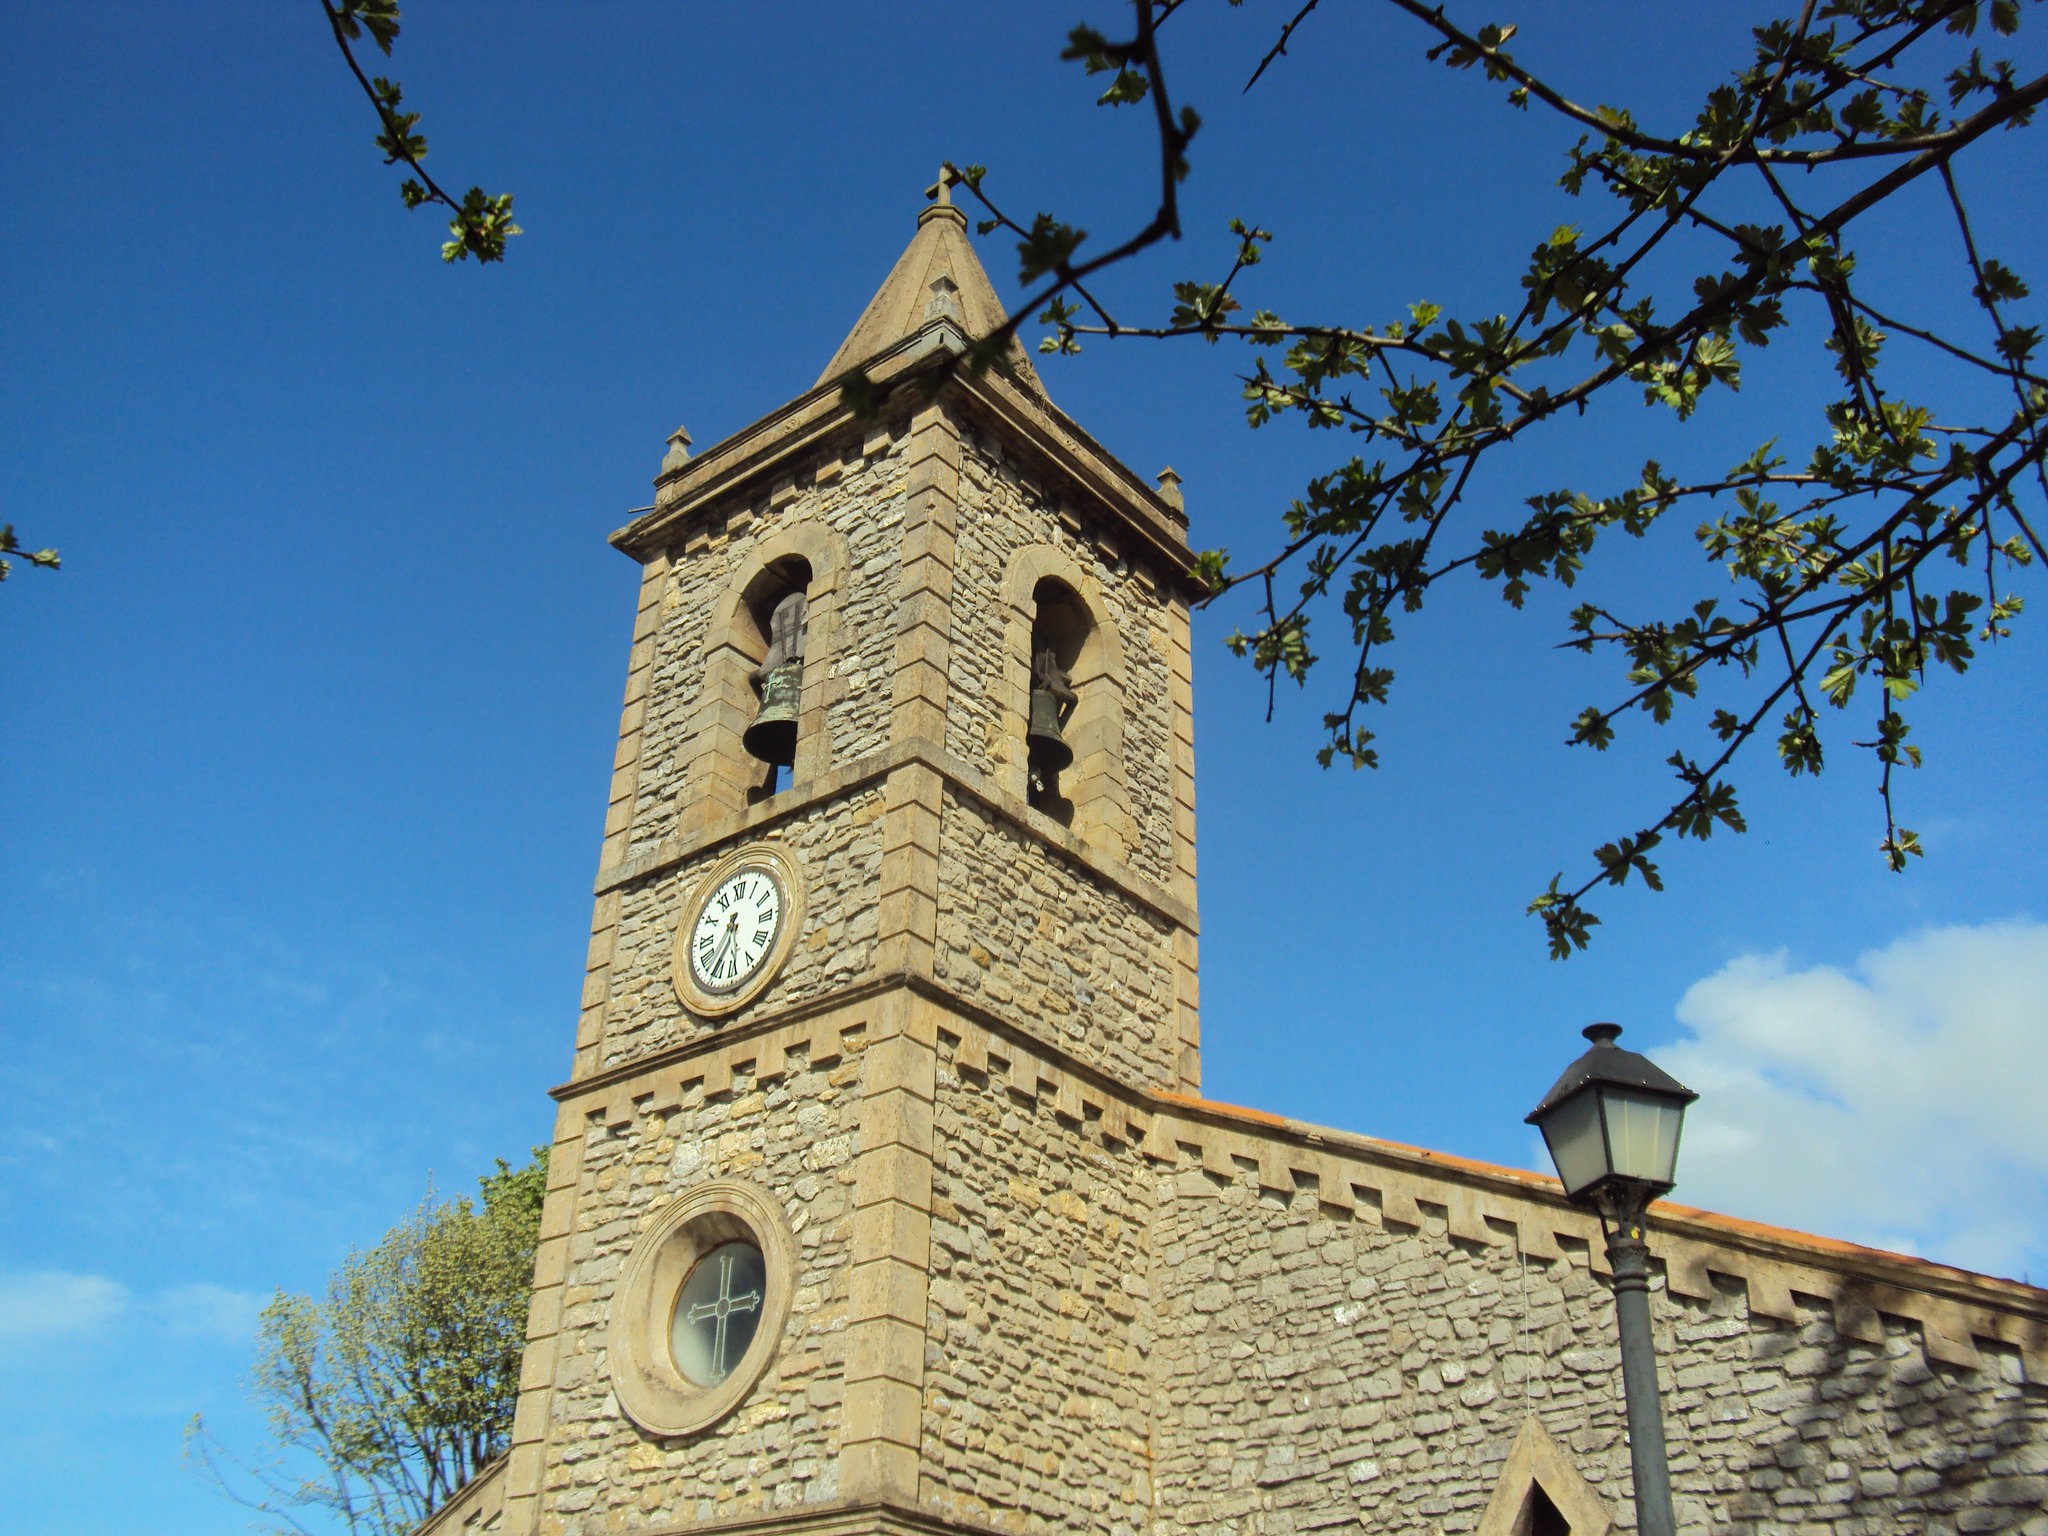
(883, 1195)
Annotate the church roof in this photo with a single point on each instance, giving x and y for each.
(938, 253)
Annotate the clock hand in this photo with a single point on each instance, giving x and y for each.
(732, 933)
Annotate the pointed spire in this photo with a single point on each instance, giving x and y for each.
(937, 276)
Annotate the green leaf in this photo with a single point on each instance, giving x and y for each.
(480, 228)
(1713, 803)
(1128, 87)
(1999, 283)
(1799, 746)
(1564, 920)
(2018, 344)
(1047, 247)
(1202, 306)
(1897, 848)
(377, 17)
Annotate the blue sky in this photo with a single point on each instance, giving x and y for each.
(306, 748)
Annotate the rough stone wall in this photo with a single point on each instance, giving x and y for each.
(858, 494)
(1001, 512)
(1314, 1369)
(1035, 937)
(838, 845)
(780, 1449)
(1039, 1329)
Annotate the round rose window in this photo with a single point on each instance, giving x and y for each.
(717, 1312)
(701, 1306)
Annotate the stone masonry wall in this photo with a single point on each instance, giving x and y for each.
(1040, 1328)
(859, 495)
(1314, 1369)
(838, 845)
(1002, 512)
(780, 1449)
(1035, 937)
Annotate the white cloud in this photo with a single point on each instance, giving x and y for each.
(46, 1304)
(43, 1305)
(1902, 1103)
(210, 1311)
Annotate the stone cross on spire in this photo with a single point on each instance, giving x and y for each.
(941, 191)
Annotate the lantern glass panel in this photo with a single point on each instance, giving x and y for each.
(1572, 1130)
(1642, 1133)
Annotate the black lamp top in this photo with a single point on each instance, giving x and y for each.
(1607, 1062)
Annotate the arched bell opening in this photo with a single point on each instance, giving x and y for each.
(1060, 628)
(1055, 604)
(777, 605)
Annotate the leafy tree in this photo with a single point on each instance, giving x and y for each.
(1862, 560)
(398, 1386)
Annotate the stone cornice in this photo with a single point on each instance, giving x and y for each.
(1053, 435)
(849, 1519)
(754, 452)
(734, 468)
(730, 1047)
(735, 1047)
(851, 776)
(1385, 1181)
(1781, 1243)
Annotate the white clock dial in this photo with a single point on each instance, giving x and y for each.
(735, 930)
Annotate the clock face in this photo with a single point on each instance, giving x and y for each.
(735, 930)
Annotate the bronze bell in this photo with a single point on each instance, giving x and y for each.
(1043, 741)
(772, 736)
(1052, 700)
(780, 677)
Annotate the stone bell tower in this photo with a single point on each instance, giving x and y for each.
(881, 1200)
(846, 864)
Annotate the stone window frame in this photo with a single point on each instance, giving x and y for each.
(651, 1391)
(1095, 784)
(721, 771)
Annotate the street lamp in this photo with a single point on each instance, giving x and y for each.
(1611, 1123)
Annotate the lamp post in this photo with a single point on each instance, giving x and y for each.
(1612, 1123)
